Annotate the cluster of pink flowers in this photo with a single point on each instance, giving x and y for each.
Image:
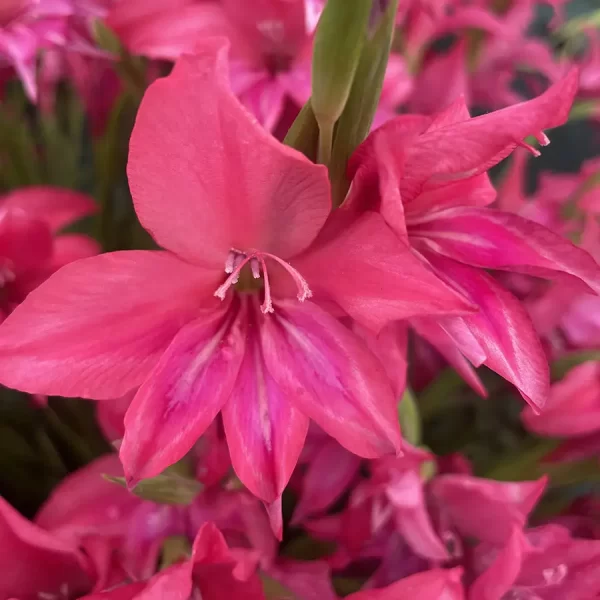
(291, 357)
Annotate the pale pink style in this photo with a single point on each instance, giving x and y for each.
(231, 205)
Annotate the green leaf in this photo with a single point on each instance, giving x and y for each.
(275, 591)
(410, 420)
(356, 120)
(166, 488)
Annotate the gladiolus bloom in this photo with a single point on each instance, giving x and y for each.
(239, 314)
(428, 178)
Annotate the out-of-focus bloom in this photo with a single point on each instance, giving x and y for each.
(544, 562)
(270, 47)
(427, 177)
(123, 534)
(27, 26)
(213, 572)
(199, 342)
(31, 245)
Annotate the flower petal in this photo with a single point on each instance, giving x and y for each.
(329, 475)
(472, 146)
(265, 431)
(428, 585)
(37, 562)
(206, 178)
(183, 394)
(494, 239)
(54, 206)
(331, 377)
(485, 509)
(98, 326)
(502, 329)
(375, 277)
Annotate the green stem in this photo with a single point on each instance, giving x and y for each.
(325, 143)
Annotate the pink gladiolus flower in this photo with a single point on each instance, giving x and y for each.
(200, 341)
(27, 26)
(213, 572)
(271, 45)
(430, 174)
(545, 563)
(30, 218)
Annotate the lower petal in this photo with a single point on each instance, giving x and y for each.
(183, 394)
(265, 431)
(327, 372)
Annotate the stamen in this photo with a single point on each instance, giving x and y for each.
(542, 138)
(304, 291)
(267, 305)
(531, 149)
(254, 266)
(237, 260)
(233, 278)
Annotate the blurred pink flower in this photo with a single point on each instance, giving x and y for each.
(270, 47)
(427, 176)
(31, 244)
(27, 26)
(265, 360)
(213, 572)
(545, 563)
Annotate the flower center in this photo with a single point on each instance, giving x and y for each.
(237, 260)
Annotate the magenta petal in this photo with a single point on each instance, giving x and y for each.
(183, 394)
(205, 177)
(497, 240)
(265, 431)
(329, 474)
(98, 326)
(374, 276)
(485, 509)
(503, 330)
(499, 578)
(54, 206)
(472, 146)
(85, 502)
(35, 562)
(437, 584)
(327, 372)
(573, 408)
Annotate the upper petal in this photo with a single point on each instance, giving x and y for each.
(373, 275)
(331, 377)
(183, 394)
(206, 178)
(472, 146)
(98, 326)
